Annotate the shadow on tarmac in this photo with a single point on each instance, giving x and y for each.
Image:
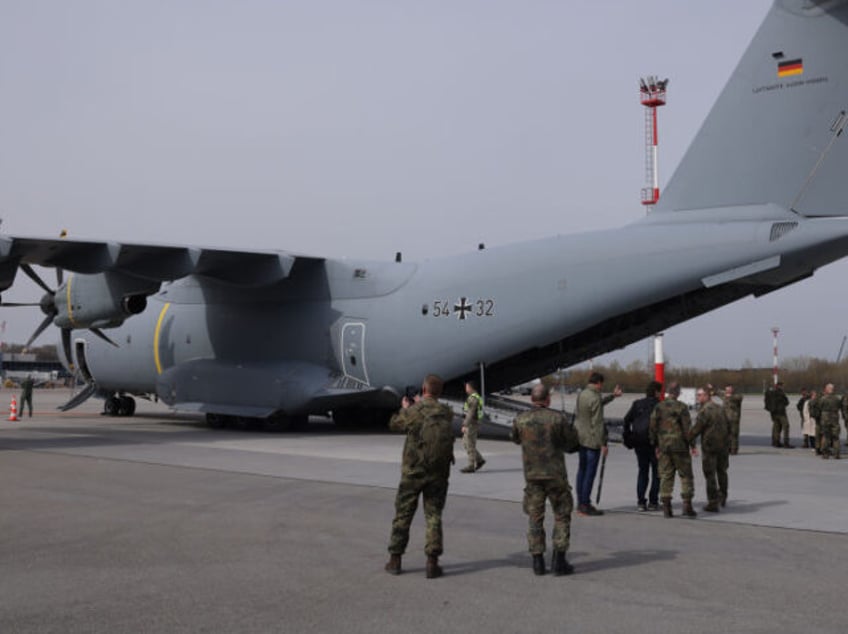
(620, 559)
(614, 560)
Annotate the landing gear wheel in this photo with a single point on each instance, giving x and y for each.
(216, 421)
(345, 417)
(112, 406)
(126, 405)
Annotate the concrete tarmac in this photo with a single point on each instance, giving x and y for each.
(157, 524)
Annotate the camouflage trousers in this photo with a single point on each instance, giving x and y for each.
(734, 434)
(469, 442)
(562, 504)
(714, 464)
(671, 462)
(434, 491)
(779, 426)
(830, 439)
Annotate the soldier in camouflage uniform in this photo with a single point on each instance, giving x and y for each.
(473, 414)
(733, 412)
(425, 471)
(544, 435)
(776, 403)
(669, 432)
(845, 416)
(815, 413)
(830, 405)
(713, 428)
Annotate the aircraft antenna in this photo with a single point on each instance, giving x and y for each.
(652, 93)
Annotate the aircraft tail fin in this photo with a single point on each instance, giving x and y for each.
(775, 133)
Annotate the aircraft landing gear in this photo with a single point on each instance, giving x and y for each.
(122, 405)
(362, 417)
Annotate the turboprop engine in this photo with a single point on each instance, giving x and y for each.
(103, 300)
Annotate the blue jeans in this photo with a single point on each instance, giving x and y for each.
(647, 458)
(586, 470)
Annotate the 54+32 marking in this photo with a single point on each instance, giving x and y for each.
(463, 308)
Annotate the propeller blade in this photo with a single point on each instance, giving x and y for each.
(41, 327)
(66, 346)
(100, 334)
(88, 391)
(18, 304)
(26, 268)
(59, 277)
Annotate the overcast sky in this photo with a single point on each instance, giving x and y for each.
(347, 128)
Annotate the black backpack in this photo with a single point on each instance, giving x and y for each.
(637, 423)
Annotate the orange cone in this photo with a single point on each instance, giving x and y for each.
(13, 409)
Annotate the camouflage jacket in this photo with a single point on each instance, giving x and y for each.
(589, 418)
(732, 406)
(670, 423)
(541, 434)
(815, 408)
(830, 405)
(712, 426)
(410, 421)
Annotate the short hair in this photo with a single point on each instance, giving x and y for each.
(707, 390)
(654, 388)
(473, 384)
(433, 385)
(539, 393)
(596, 377)
(673, 388)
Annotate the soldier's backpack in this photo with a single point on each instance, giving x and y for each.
(637, 423)
(435, 442)
(769, 399)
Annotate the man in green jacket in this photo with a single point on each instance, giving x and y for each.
(589, 421)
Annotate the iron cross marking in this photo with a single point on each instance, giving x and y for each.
(462, 307)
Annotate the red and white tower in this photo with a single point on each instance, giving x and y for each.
(652, 96)
(659, 363)
(774, 332)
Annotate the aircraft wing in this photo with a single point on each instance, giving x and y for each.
(146, 261)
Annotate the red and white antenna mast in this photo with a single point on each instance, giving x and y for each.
(652, 96)
(774, 332)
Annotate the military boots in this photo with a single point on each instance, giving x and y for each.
(666, 504)
(712, 507)
(434, 570)
(560, 565)
(538, 564)
(688, 511)
(393, 565)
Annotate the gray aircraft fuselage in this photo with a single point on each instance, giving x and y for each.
(383, 326)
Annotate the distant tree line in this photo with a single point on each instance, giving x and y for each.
(795, 372)
(42, 353)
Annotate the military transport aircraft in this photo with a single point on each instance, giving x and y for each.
(758, 202)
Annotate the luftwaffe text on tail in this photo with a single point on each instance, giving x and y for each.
(758, 202)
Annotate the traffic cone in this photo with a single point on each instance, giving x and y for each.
(13, 409)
